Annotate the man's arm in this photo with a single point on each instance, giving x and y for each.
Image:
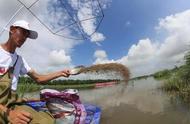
(44, 78)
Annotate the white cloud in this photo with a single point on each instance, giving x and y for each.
(86, 12)
(97, 37)
(141, 57)
(89, 26)
(36, 52)
(100, 54)
(178, 39)
(101, 57)
(59, 58)
(148, 56)
(40, 53)
(105, 3)
(143, 50)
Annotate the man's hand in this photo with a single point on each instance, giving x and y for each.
(19, 117)
(65, 73)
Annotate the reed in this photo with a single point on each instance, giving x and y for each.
(178, 82)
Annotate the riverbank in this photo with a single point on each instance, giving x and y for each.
(176, 81)
(177, 84)
(27, 85)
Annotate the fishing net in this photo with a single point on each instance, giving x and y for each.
(72, 19)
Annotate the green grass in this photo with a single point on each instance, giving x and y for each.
(27, 87)
(178, 83)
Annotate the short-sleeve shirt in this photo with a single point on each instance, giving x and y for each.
(7, 60)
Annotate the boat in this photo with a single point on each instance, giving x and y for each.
(66, 107)
(105, 84)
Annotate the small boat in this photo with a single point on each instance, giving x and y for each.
(66, 107)
(105, 84)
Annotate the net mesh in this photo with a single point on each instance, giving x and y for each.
(67, 18)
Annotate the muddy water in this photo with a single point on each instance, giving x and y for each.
(138, 102)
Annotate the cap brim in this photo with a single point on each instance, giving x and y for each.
(33, 34)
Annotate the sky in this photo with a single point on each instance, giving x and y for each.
(144, 35)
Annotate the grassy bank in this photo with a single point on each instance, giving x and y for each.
(177, 80)
(178, 84)
(27, 85)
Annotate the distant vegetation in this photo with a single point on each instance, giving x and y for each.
(177, 80)
(141, 77)
(26, 84)
(165, 74)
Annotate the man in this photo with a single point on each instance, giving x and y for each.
(11, 66)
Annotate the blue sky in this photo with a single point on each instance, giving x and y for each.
(125, 22)
(144, 35)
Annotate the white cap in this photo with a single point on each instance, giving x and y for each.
(24, 24)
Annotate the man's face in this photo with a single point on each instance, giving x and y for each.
(19, 35)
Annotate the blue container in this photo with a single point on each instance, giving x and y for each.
(93, 114)
(39, 106)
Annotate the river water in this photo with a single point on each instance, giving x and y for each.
(138, 102)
